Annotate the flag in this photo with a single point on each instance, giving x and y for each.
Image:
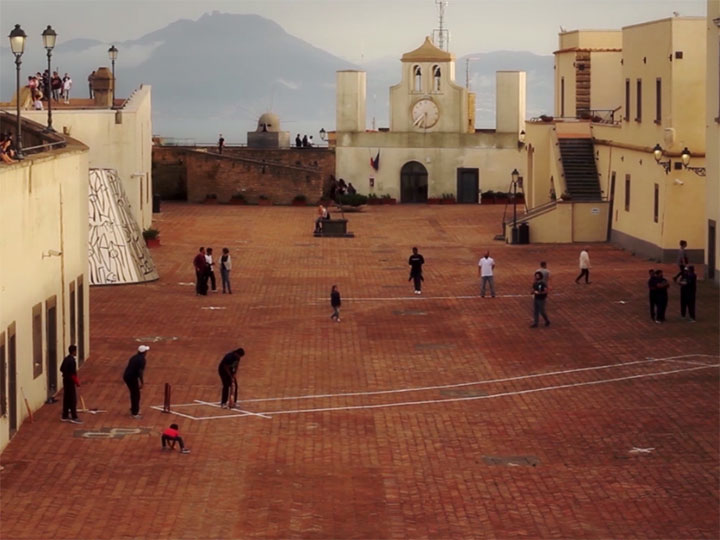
(375, 162)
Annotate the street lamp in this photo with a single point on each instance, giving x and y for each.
(685, 157)
(657, 154)
(112, 53)
(323, 134)
(515, 175)
(17, 46)
(49, 36)
(521, 139)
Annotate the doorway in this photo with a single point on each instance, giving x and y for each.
(468, 184)
(413, 183)
(611, 204)
(711, 249)
(81, 319)
(12, 380)
(51, 345)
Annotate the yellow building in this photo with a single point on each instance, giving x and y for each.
(712, 242)
(431, 147)
(650, 95)
(44, 303)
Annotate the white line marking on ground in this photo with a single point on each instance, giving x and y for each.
(239, 410)
(174, 412)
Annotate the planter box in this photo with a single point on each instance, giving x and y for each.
(434, 200)
(237, 201)
(152, 242)
(448, 201)
(264, 202)
(300, 203)
(388, 201)
(210, 201)
(375, 201)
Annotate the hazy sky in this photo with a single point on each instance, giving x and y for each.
(356, 30)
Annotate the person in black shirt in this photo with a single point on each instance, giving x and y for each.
(133, 378)
(68, 368)
(416, 262)
(661, 296)
(539, 297)
(335, 302)
(652, 293)
(227, 369)
(688, 287)
(221, 144)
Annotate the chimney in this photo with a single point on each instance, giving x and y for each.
(103, 84)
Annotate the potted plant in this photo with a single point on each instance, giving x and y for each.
(152, 237)
(447, 198)
(238, 198)
(374, 199)
(434, 200)
(354, 199)
(299, 200)
(264, 200)
(487, 197)
(211, 198)
(387, 199)
(546, 118)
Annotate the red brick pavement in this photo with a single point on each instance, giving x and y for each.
(585, 429)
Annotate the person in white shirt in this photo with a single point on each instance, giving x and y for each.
(485, 271)
(67, 85)
(584, 266)
(210, 269)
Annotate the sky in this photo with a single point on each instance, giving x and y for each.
(356, 30)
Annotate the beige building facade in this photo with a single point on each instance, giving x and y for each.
(44, 303)
(431, 148)
(712, 238)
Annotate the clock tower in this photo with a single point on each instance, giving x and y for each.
(427, 98)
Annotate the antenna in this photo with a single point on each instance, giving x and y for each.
(441, 35)
(467, 69)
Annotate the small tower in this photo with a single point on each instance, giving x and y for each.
(350, 101)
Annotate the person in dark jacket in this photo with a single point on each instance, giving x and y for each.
(68, 368)
(661, 296)
(133, 378)
(200, 265)
(227, 369)
(652, 296)
(335, 302)
(688, 288)
(416, 262)
(539, 296)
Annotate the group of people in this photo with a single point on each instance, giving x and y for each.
(7, 148)
(305, 142)
(338, 187)
(44, 87)
(204, 266)
(658, 287)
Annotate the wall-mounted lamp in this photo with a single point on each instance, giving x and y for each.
(521, 139)
(51, 253)
(685, 157)
(657, 154)
(323, 134)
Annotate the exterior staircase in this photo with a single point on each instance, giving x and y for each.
(581, 176)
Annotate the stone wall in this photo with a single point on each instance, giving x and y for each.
(278, 174)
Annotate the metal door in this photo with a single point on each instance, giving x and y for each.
(413, 183)
(467, 186)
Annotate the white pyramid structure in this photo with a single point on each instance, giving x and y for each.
(117, 251)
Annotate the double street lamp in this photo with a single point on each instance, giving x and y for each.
(112, 53)
(515, 176)
(17, 46)
(49, 36)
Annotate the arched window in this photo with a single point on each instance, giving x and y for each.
(436, 78)
(417, 77)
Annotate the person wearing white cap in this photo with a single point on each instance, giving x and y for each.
(133, 378)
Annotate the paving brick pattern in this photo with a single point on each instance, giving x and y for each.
(434, 416)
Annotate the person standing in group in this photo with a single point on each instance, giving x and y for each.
(91, 78)
(200, 265)
(682, 259)
(304, 141)
(225, 267)
(584, 266)
(688, 288)
(67, 85)
(133, 378)
(486, 266)
(539, 297)
(661, 296)
(68, 368)
(652, 295)
(335, 302)
(221, 144)
(210, 269)
(171, 436)
(227, 369)
(416, 262)
(545, 273)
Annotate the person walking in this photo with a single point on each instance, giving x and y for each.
(221, 144)
(68, 368)
(682, 259)
(688, 288)
(210, 270)
(416, 262)
(661, 296)
(227, 369)
(133, 378)
(486, 266)
(171, 436)
(584, 266)
(539, 297)
(545, 272)
(652, 294)
(200, 265)
(335, 302)
(225, 267)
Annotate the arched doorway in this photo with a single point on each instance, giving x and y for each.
(413, 183)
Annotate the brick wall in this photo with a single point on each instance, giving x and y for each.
(279, 174)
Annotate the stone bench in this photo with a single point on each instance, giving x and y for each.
(334, 227)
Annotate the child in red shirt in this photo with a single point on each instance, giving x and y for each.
(170, 436)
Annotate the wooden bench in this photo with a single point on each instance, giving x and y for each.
(334, 227)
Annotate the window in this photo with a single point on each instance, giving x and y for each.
(658, 100)
(638, 116)
(37, 333)
(627, 99)
(627, 192)
(656, 203)
(417, 77)
(562, 97)
(436, 78)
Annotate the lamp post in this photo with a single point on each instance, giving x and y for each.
(514, 175)
(657, 154)
(112, 53)
(17, 46)
(49, 36)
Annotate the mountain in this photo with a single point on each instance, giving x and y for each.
(220, 72)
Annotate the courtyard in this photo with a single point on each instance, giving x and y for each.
(441, 415)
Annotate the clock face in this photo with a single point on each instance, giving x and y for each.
(425, 114)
